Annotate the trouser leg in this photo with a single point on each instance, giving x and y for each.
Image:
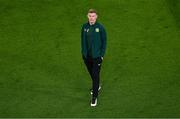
(89, 65)
(96, 75)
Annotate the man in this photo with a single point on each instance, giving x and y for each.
(93, 44)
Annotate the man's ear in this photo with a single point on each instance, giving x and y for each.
(96, 16)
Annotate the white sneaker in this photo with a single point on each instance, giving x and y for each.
(93, 102)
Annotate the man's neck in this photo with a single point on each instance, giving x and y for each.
(92, 23)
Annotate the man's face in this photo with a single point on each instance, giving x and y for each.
(92, 17)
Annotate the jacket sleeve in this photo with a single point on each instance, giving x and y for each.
(103, 41)
(82, 31)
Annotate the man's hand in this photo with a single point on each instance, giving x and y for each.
(83, 57)
(102, 58)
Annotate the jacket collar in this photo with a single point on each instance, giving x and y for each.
(93, 24)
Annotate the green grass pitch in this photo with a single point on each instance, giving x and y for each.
(42, 73)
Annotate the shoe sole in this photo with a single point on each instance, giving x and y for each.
(93, 105)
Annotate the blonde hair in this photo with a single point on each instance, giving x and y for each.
(92, 11)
